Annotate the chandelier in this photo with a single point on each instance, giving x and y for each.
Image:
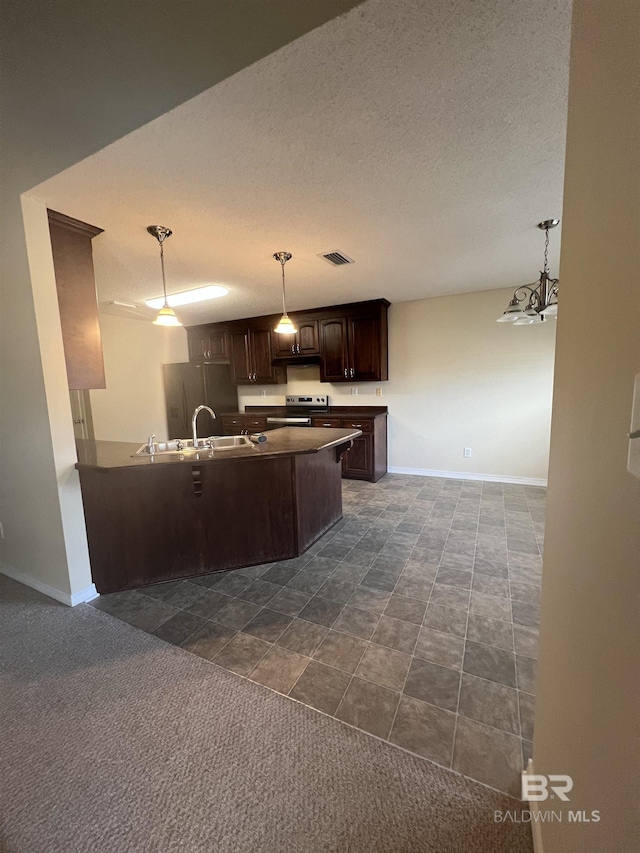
(535, 302)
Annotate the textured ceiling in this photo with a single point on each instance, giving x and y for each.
(423, 139)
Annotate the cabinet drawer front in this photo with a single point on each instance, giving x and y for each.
(230, 422)
(255, 423)
(326, 422)
(356, 423)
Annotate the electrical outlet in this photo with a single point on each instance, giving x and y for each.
(467, 453)
(263, 393)
(354, 392)
(378, 392)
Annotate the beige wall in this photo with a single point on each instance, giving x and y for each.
(457, 379)
(133, 404)
(588, 694)
(35, 483)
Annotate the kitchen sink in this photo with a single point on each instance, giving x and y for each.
(185, 445)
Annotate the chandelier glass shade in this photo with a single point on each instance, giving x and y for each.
(533, 303)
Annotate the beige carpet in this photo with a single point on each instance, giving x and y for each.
(114, 742)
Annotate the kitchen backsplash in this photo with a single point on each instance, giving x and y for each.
(306, 379)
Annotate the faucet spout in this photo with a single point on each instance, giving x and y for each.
(194, 421)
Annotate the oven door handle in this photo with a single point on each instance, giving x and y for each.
(290, 421)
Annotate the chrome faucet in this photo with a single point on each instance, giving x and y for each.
(194, 420)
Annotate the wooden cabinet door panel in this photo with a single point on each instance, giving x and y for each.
(333, 350)
(307, 337)
(284, 345)
(218, 344)
(261, 354)
(240, 362)
(198, 345)
(303, 343)
(77, 300)
(364, 348)
(357, 462)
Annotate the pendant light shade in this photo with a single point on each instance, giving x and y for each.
(166, 315)
(285, 326)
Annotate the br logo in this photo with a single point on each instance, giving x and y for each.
(536, 787)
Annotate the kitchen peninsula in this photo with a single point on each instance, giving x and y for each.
(153, 518)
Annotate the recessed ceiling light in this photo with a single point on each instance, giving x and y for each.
(188, 297)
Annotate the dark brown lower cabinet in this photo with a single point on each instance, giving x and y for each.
(164, 522)
(367, 459)
(356, 463)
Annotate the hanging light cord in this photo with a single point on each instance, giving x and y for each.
(284, 307)
(164, 283)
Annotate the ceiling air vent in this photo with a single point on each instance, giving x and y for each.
(336, 258)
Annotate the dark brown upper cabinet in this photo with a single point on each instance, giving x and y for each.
(349, 341)
(77, 300)
(353, 347)
(208, 343)
(251, 355)
(301, 345)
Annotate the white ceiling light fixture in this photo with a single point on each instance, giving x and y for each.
(189, 297)
(534, 303)
(285, 326)
(166, 315)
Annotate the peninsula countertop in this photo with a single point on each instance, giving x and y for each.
(286, 441)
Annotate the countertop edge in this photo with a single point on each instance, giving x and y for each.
(124, 457)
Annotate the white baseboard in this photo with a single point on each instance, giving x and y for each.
(82, 596)
(463, 475)
(534, 808)
(70, 599)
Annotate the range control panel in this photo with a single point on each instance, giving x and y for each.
(310, 401)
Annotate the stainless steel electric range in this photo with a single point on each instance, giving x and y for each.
(300, 409)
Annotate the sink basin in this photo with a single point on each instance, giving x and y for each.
(185, 446)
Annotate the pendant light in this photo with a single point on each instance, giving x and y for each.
(534, 303)
(166, 315)
(285, 326)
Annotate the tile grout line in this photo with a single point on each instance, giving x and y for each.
(464, 648)
(412, 656)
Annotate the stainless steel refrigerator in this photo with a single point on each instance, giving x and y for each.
(188, 385)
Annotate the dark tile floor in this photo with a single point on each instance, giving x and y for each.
(414, 619)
